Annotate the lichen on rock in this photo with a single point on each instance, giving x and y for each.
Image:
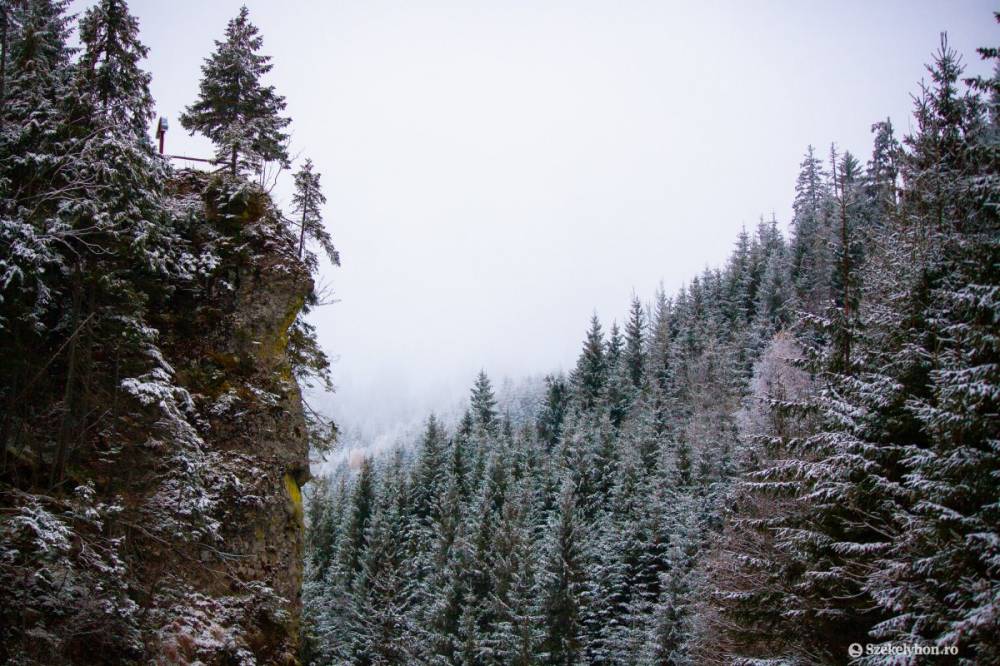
(182, 541)
(260, 456)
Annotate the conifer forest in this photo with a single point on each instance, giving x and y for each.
(792, 459)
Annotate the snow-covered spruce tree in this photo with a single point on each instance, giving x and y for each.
(810, 260)
(561, 582)
(490, 571)
(741, 609)
(109, 66)
(234, 108)
(669, 624)
(590, 374)
(635, 345)
(33, 267)
(816, 504)
(942, 585)
(33, 130)
(38, 69)
(326, 508)
(553, 413)
(429, 474)
(326, 593)
(96, 189)
(848, 255)
(443, 599)
(773, 302)
(310, 361)
(307, 206)
(881, 188)
(111, 109)
(380, 630)
(483, 405)
(360, 514)
(618, 393)
(739, 287)
(622, 562)
(848, 466)
(517, 634)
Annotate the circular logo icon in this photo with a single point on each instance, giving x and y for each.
(854, 649)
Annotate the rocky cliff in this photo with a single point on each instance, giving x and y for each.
(231, 355)
(176, 537)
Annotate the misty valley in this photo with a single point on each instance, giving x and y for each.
(793, 458)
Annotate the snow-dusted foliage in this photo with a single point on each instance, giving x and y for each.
(234, 108)
(182, 506)
(795, 453)
(569, 535)
(203, 629)
(868, 512)
(63, 579)
(145, 420)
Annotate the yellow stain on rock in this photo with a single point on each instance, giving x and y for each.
(286, 324)
(276, 345)
(295, 496)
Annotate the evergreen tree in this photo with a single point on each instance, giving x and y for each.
(848, 254)
(33, 132)
(517, 632)
(380, 617)
(38, 71)
(618, 392)
(774, 298)
(562, 583)
(590, 374)
(550, 420)
(429, 474)
(484, 404)
(307, 204)
(943, 584)
(810, 263)
(883, 173)
(126, 180)
(109, 72)
(447, 588)
(461, 456)
(234, 108)
(362, 505)
(635, 344)
(740, 290)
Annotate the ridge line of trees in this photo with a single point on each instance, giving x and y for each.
(794, 453)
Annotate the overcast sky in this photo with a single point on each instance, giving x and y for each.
(497, 171)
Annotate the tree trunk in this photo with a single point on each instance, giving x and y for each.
(845, 267)
(4, 28)
(302, 229)
(69, 392)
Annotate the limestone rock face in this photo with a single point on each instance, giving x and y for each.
(244, 578)
(176, 536)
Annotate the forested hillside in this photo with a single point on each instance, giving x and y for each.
(794, 453)
(151, 352)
